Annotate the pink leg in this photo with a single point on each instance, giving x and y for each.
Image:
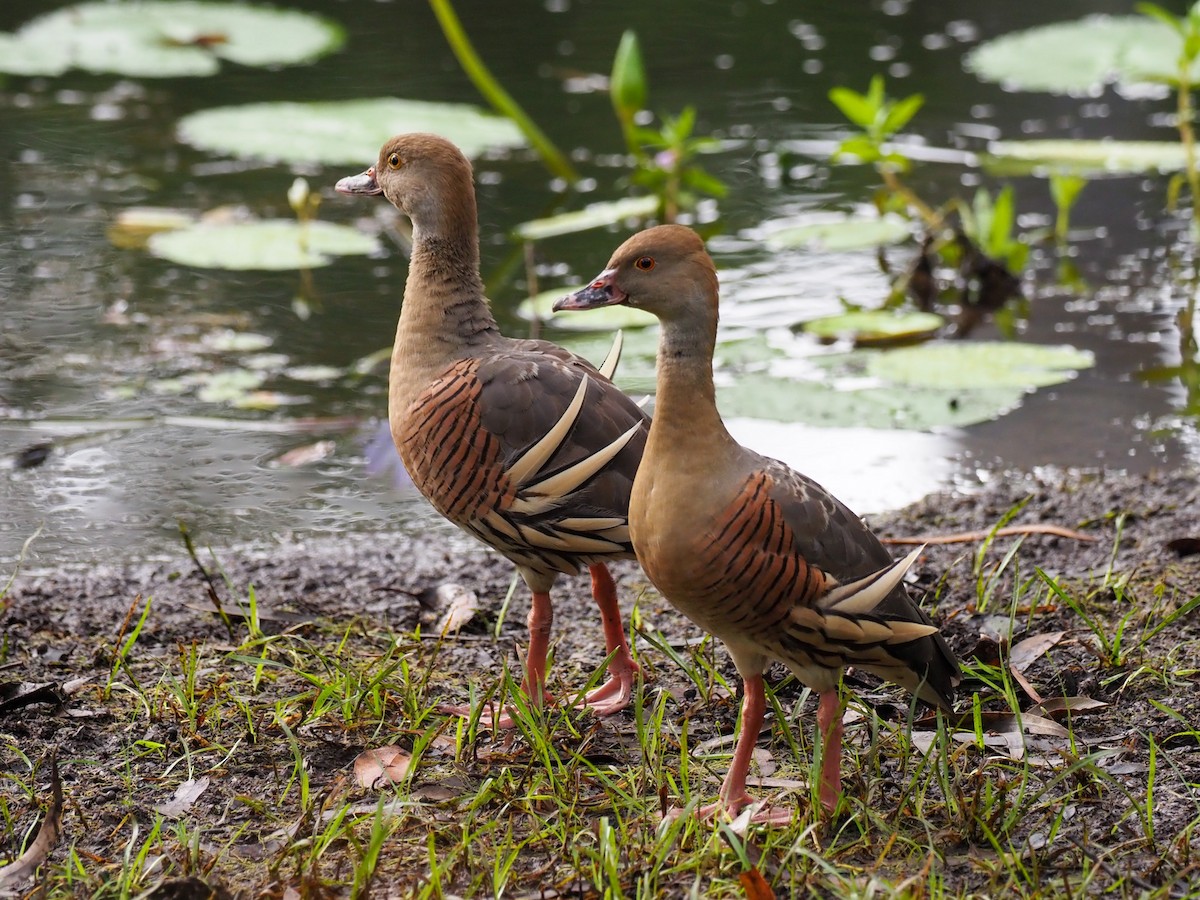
(541, 618)
(829, 726)
(614, 695)
(734, 797)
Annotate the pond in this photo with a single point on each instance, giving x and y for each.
(121, 364)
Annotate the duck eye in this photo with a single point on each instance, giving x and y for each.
(394, 161)
(646, 263)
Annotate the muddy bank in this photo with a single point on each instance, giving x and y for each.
(374, 591)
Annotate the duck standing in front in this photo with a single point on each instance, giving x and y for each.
(490, 427)
(757, 554)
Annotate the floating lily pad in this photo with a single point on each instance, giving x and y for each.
(874, 327)
(133, 227)
(271, 244)
(165, 39)
(340, 133)
(1130, 157)
(606, 318)
(231, 386)
(821, 404)
(846, 233)
(1080, 57)
(918, 388)
(595, 215)
(979, 365)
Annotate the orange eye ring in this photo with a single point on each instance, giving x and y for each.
(645, 263)
(394, 161)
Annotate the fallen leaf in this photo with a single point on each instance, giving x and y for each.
(37, 852)
(1028, 688)
(1025, 652)
(1004, 723)
(923, 741)
(1185, 546)
(382, 766)
(1076, 706)
(185, 795)
(786, 784)
(764, 760)
(306, 455)
(15, 695)
(755, 885)
(460, 607)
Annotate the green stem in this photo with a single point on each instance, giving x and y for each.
(487, 85)
(1188, 137)
(931, 219)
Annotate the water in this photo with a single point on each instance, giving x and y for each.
(95, 342)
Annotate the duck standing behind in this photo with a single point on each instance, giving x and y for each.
(755, 553)
(490, 428)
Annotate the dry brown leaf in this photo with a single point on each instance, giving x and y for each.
(1027, 651)
(380, 767)
(460, 605)
(37, 852)
(764, 760)
(778, 783)
(1028, 688)
(755, 885)
(185, 795)
(305, 455)
(1005, 723)
(16, 695)
(923, 741)
(1185, 546)
(1076, 706)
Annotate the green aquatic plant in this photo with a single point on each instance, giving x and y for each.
(1187, 28)
(1064, 191)
(664, 156)
(984, 247)
(878, 118)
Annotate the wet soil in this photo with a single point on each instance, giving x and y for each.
(1115, 804)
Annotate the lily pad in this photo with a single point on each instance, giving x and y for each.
(841, 234)
(156, 39)
(874, 327)
(595, 215)
(271, 244)
(1080, 57)
(133, 227)
(821, 404)
(340, 133)
(606, 318)
(979, 365)
(1130, 157)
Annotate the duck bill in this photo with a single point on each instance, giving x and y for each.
(365, 184)
(601, 292)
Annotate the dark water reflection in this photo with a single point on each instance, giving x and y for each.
(90, 334)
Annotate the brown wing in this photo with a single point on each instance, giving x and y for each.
(532, 452)
(831, 537)
(777, 552)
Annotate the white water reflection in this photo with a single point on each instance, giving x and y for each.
(870, 470)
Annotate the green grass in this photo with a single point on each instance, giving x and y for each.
(933, 807)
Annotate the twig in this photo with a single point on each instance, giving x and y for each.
(208, 579)
(36, 853)
(964, 537)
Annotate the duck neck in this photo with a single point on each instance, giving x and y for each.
(685, 406)
(445, 315)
